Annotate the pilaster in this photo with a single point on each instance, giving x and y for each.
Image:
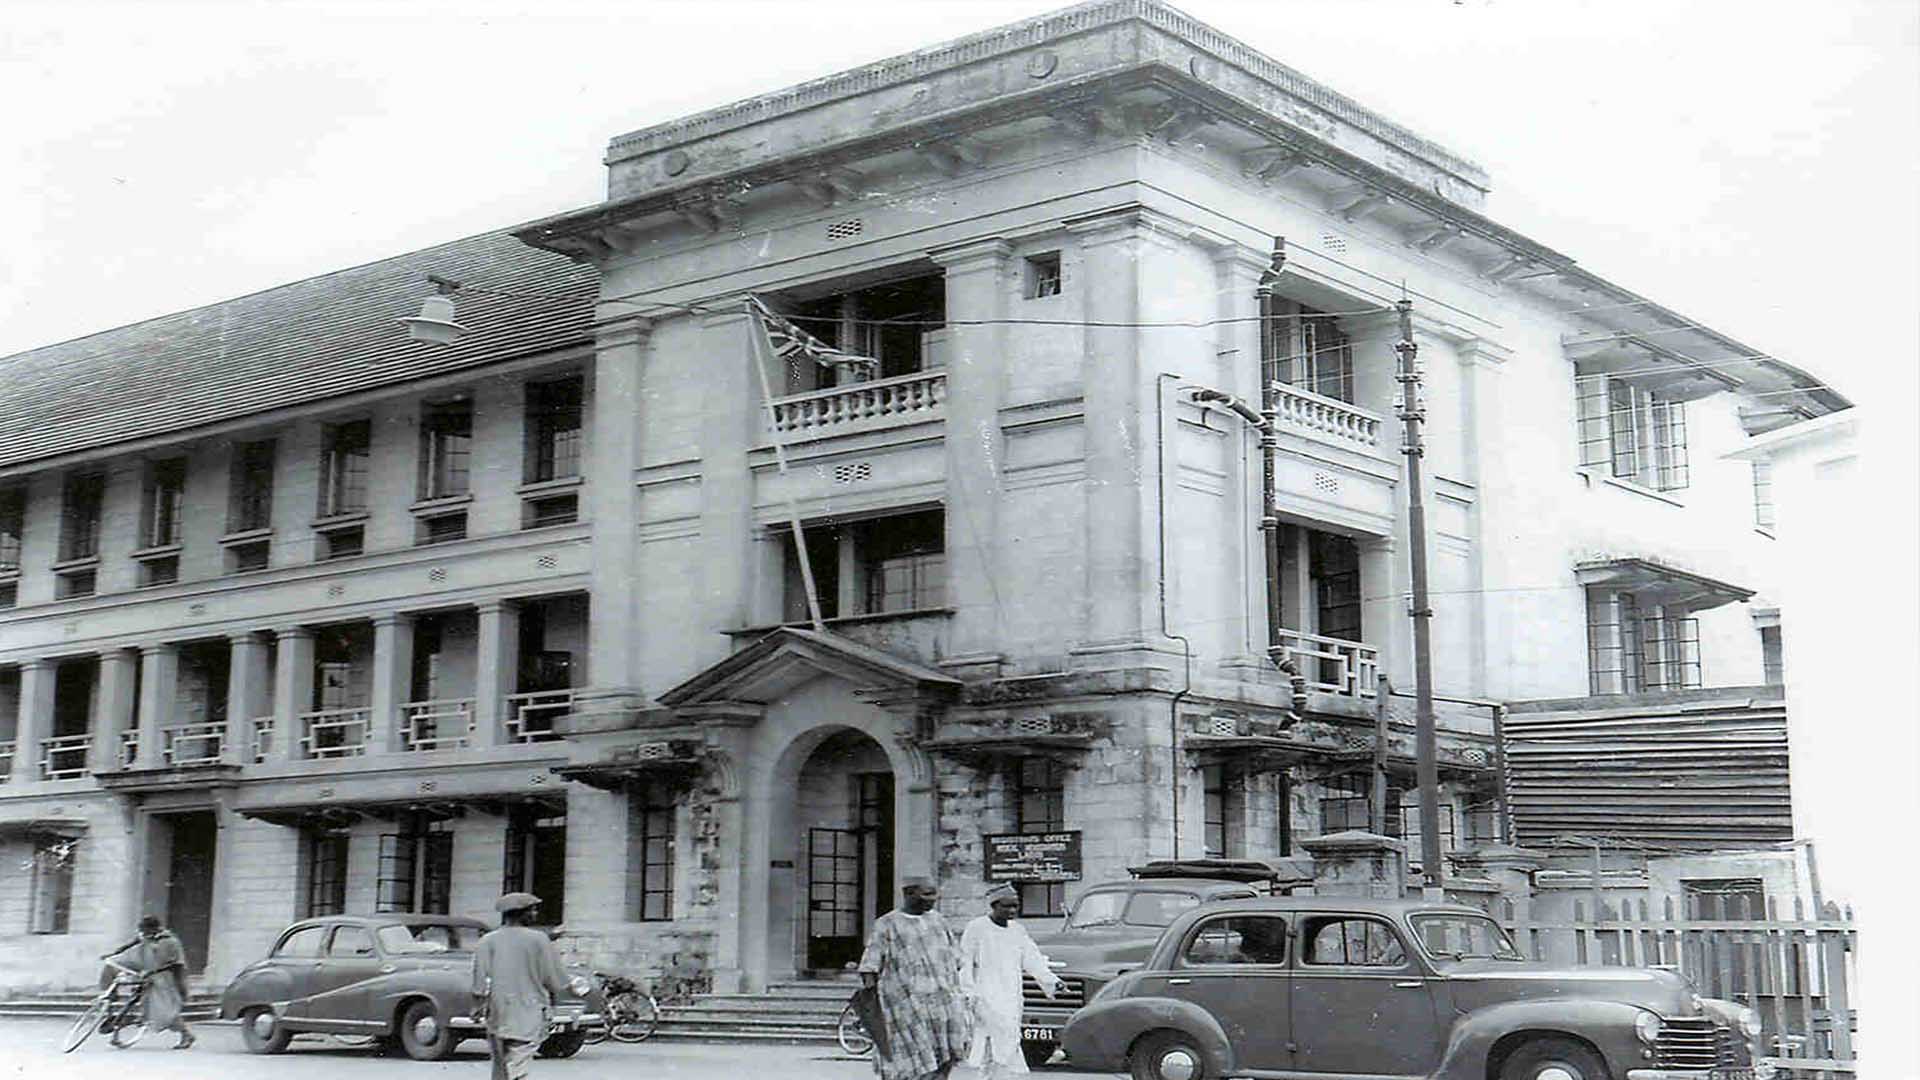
(497, 668)
(35, 720)
(292, 689)
(733, 420)
(392, 680)
(249, 695)
(613, 448)
(1237, 272)
(159, 680)
(113, 707)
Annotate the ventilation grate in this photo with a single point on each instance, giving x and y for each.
(1224, 725)
(336, 591)
(854, 473)
(547, 562)
(653, 751)
(1325, 484)
(843, 230)
(1033, 725)
(437, 575)
(1333, 242)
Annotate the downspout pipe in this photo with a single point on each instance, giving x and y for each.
(1186, 647)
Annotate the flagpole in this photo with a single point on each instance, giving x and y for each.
(762, 350)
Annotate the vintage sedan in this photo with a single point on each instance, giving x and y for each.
(403, 978)
(1331, 986)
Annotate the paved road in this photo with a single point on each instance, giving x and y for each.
(30, 1050)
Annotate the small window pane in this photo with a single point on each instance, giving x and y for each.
(1239, 940)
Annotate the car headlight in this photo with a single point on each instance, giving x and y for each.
(1647, 1026)
(1750, 1023)
(580, 985)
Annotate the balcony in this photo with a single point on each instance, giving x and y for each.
(64, 757)
(1333, 665)
(336, 733)
(1328, 419)
(262, 738)
(842, 410)
(530, 716)
(436, 725)
(193, 744)
(6, 760)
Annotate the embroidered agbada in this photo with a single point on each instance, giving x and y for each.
(921, 996)
(519, 972)
(992, 959)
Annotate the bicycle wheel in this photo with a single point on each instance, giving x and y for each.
(852, 1032)
(129, 1024)
(632, 1016)
(85, 1023)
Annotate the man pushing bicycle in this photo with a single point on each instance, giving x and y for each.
(159, 956)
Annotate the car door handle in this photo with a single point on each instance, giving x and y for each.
(1178, 982)
(387, 969)
(1409, 984)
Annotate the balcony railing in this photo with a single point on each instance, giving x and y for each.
(6, 760)
(64, 757)
(530, 716)
(821, 412)
(336, 733)
(262, 738)
(1306, 411)
(1333, 665)
(436, 725)
(193, 744)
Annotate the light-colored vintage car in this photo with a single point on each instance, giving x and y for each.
(1349, 987)
(405, 978)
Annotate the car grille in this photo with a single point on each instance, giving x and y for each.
(1695, 1043)
(1071, 995)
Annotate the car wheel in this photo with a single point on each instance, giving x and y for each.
(1169, 1055)
(1038, 1053)
(1553, 1059)
(563, 1044)
(262, 1031)
(424, 1034)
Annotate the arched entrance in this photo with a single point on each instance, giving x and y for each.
(838, 834)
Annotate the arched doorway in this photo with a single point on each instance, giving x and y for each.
(838, 835)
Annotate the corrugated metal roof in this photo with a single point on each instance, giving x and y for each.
(298, 343)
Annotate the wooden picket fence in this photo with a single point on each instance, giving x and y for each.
(1797, 973)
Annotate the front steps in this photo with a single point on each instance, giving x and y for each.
(800, 1011)
(68, 1004)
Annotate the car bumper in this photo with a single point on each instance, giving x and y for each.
(1759, 1071)
(556, 1025)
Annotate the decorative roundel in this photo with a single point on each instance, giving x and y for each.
(1041, 64)
(1476, 757)
(676, 162)
(1202, 67)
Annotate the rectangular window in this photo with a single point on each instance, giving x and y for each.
(442, 528)
(446, 442)
(164, 570)
(1763, 495)
(415, 871)
(536, 860)
(1043, 275)
(251, 503)
(886, 322)
(9, 595)
(250, 556)
(326, 873)
(341, 543)
(1307, 349)
(13, 525)
(556, 426)
(823, 558)
(1348, 804)
(1772, 662)
(51, 887)
(650, 815)
(1224, 821)
(73, 583)
(1633, 432)
(553, 510)
(1406, 826)
(1040, 806)
(904, 562)
(160, 503)
(346, 454)
(1633, 647)
(80, 508)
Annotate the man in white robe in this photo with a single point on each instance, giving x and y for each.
(994, 951)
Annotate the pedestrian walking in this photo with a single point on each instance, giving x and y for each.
(994, 952)
(516, 976)
(158, 955)
(913, 964)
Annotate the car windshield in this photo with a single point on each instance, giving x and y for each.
(1156, 909)
(1465, 937)
(428, 937)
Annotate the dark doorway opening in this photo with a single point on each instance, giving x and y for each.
(192, 839)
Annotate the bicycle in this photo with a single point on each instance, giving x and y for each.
(851, 1032)
(125, 1022)
(631, 1013)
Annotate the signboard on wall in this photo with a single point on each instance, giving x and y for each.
(1024, 857)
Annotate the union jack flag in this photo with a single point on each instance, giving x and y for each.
(790, 342)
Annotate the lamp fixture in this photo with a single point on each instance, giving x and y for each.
(435, 321)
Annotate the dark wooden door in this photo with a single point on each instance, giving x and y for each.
(190, 883)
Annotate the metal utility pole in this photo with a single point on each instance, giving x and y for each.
(1426, 746)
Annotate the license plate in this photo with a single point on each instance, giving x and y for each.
(1052, 1035)
(1730, 1074)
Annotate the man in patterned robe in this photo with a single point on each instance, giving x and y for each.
(913, 963)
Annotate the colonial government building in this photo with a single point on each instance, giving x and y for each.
(300, 615)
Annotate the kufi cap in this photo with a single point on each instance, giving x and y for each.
(516, 901)
(1002, 890)
(917, 882)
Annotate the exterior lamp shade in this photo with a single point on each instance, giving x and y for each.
(435, 322)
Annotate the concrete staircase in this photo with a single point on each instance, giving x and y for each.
(67, 1004)
(802, 1011)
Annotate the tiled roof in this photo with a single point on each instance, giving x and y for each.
(310, 340)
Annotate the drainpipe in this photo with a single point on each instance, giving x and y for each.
(1186, 647)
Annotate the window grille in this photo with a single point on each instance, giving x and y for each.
(1632, 432)
(251, 504)
(415, 870)
(446, 442)
(1631, 649)
(326, 873)
(345, 456)
(1040, 801)
(651, 808)
(161, 502)
(1763, 495)
(80, 517)
(556, 423)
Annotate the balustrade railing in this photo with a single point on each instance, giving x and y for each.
(530, 716)
(1334, 665)
(819, 411)
(336, 733)
(1304, 410)
(64, 757)
(193, 744)
(129, 748)
(6, 760)
(262, 738)
(436, 725)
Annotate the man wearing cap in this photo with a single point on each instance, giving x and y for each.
(159, 955)
(516, 976)
(912, 963)
(994, 951)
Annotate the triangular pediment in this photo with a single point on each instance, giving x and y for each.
(787, 658)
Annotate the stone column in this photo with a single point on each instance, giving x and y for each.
(1358, 864)
(497, 668)
(249, 690)
(733, 419)
(976, 283)
(392, 680)
(292, 690)
(35, 720)
(613, 507)
(1386, 587)
(159, 681)
(113, 707)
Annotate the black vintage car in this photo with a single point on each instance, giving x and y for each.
(405, 978)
